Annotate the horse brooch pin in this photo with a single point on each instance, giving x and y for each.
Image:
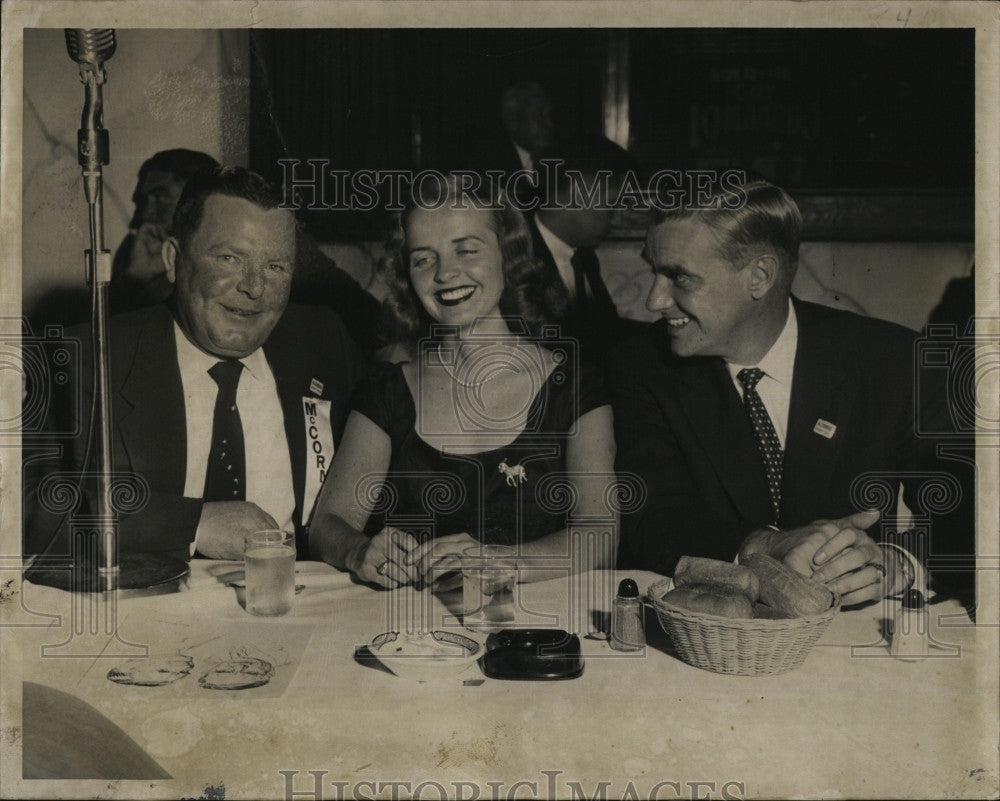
(515, 475)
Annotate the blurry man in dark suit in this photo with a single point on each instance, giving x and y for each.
(526, 129)
(526, 114)
(570, 223)
(138, 278)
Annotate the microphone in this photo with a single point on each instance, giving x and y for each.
(90, 48)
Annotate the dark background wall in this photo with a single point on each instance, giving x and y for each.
(821, 112)
(896, 109)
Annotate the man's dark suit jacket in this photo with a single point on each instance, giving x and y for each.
(311, 357)
(594, 322)
(680, 425)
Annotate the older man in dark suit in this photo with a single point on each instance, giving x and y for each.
(139, 276)
(228, 403)
(754, 418)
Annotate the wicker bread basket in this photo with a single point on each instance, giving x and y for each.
(743, 647)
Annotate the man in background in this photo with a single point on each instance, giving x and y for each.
(526, 114)
(138, 278)
(526, 130)
(578, 184)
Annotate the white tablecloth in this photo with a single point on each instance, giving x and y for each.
(851, 722)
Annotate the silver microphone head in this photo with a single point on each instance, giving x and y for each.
(90, 46)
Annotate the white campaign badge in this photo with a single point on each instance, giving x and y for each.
(319, 449)
(825, 428)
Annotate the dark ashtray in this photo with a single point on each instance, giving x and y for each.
(532, 654)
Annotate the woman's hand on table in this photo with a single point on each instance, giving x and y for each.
(438, 556)
(383, 560)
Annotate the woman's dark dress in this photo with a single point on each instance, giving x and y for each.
(431, 494)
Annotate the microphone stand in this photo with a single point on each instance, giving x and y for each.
(94, 152)
(96, 565)
(86, 636)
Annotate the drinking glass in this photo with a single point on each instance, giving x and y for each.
(269, 559)
(489, 575)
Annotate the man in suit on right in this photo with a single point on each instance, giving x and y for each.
(754, 418)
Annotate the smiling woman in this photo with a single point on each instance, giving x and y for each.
(456, 268)
(528, 293)
(468, 433)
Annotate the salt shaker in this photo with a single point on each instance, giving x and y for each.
(626, 623)
(910, 635)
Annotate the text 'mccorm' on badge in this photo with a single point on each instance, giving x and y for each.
(319, 448)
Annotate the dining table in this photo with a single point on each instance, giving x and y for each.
(331, 721)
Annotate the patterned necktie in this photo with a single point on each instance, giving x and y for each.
(764, 433)
(225, 477)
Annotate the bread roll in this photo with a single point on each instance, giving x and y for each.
(787, 592)
(710, 601)
(722, 575)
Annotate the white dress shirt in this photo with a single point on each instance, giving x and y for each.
(268, 465)
(562, 254)
(523, 156)
(778, 365)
